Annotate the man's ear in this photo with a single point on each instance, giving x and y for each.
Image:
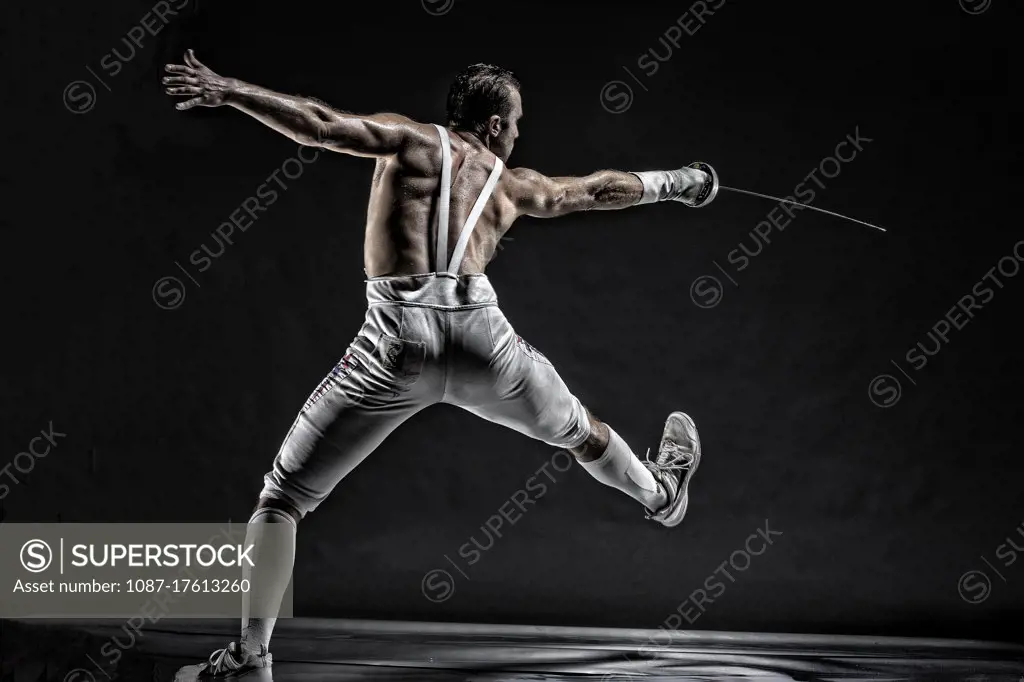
(494, 125)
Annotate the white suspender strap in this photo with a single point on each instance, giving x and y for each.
(478, 208)
(444, 200)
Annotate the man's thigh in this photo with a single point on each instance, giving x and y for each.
(353, 409)
(523, 391)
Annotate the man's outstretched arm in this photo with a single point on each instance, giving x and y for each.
(543, 197)
(305, 120)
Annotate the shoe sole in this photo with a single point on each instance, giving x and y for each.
(675, 515)
(193, 673)
(250, 675)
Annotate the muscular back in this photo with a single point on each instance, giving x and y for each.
(404, 197)
(399, 235)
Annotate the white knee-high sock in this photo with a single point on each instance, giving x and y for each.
(619, 468)
(268, 578)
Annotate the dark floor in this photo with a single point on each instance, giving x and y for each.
(309, 650)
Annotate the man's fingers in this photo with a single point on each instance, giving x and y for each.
(180, 80)
(190, 59)
(178, 68)
(184, 90)
(194, 102)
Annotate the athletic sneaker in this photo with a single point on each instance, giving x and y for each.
(230, 663)
(677, 460)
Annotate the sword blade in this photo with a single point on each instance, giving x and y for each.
(796, 203)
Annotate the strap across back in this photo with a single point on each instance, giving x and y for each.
(445, 201)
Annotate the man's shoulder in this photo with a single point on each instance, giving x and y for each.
(417, 130)
(524, 175)
(421, 143)
(522, 181)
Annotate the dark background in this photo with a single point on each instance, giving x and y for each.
(174, 415)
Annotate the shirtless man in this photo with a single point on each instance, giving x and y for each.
(440, 201)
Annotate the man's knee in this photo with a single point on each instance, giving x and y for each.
(595, 444)
(280, 505)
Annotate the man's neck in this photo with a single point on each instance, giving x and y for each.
(473, 139)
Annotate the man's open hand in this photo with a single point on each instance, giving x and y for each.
(195, 80)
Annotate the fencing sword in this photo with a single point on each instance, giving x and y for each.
(796, 203)
(714, 186)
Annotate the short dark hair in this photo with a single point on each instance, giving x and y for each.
(479, 92)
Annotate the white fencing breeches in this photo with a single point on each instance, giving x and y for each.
(426, 339)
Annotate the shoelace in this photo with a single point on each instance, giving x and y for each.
(678, 458)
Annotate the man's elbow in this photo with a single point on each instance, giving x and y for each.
(340, 138)
(309, 140)
(572, 197)
(555, 204)
(312, 132)
(318, 126)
